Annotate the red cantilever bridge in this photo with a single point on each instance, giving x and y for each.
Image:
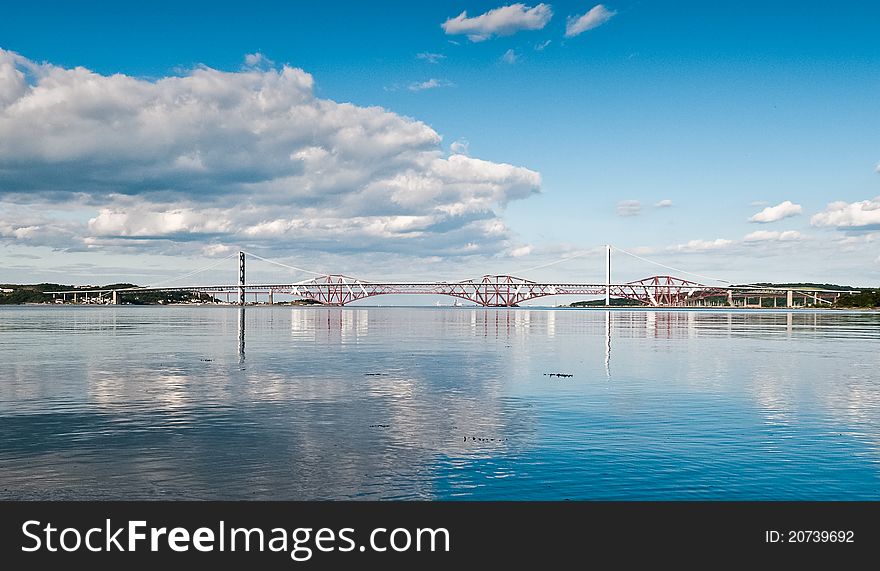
(488, 291)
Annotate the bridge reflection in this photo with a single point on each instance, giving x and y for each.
(352, 326)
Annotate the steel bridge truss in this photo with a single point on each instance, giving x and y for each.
(488, 291)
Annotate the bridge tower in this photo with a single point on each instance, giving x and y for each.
(241, 278)
(607, 275)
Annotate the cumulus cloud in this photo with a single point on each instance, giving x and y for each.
(217, 157)
(629, 208)
(509, 57)
(460, 147)
(773, 236)
(429, 84)
(702, 245)
(502, 21)
(521, 251)
(773, 213)
(257, 61)
(595, 17)
(430, 57)
(665, 203)
(862, 215)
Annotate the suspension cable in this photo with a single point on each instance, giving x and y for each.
(192, 273)
(559, 261)
(670, 267)
(286, 265)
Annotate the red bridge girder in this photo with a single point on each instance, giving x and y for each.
(498, 290)
(661, 291)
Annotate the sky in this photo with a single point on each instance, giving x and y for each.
(440, 140)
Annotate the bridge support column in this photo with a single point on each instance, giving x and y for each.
(241, 278)
(789, 299)
(607, 275)
(730, 298)
(271, 297)
(115, 298)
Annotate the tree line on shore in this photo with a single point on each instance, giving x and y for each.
(36, 293)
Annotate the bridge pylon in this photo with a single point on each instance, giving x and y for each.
(607, 275)
(241, 278)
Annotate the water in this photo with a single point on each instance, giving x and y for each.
(434, 403)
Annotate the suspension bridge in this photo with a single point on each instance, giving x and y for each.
(487, 291)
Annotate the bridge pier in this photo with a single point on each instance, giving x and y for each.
(115, 298)
(789, 298)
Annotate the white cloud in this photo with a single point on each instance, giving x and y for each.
(502, 21)
(257, 61)
(429, 84)
(629, 208)
(214, 250)
(460, 147)
(597, 16)
(141, 222)
(665, 203)
(858, 239)
(217, 157)
(541, 46)
(13, 84)
(773, 213)
(37, 226)
(509, 57)
(702, 245)
(862, 215)
(773, 236)
(430, 57)
(521, 251)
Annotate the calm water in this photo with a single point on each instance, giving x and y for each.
(433, 403)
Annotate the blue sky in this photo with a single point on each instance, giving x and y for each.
(718, 109)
